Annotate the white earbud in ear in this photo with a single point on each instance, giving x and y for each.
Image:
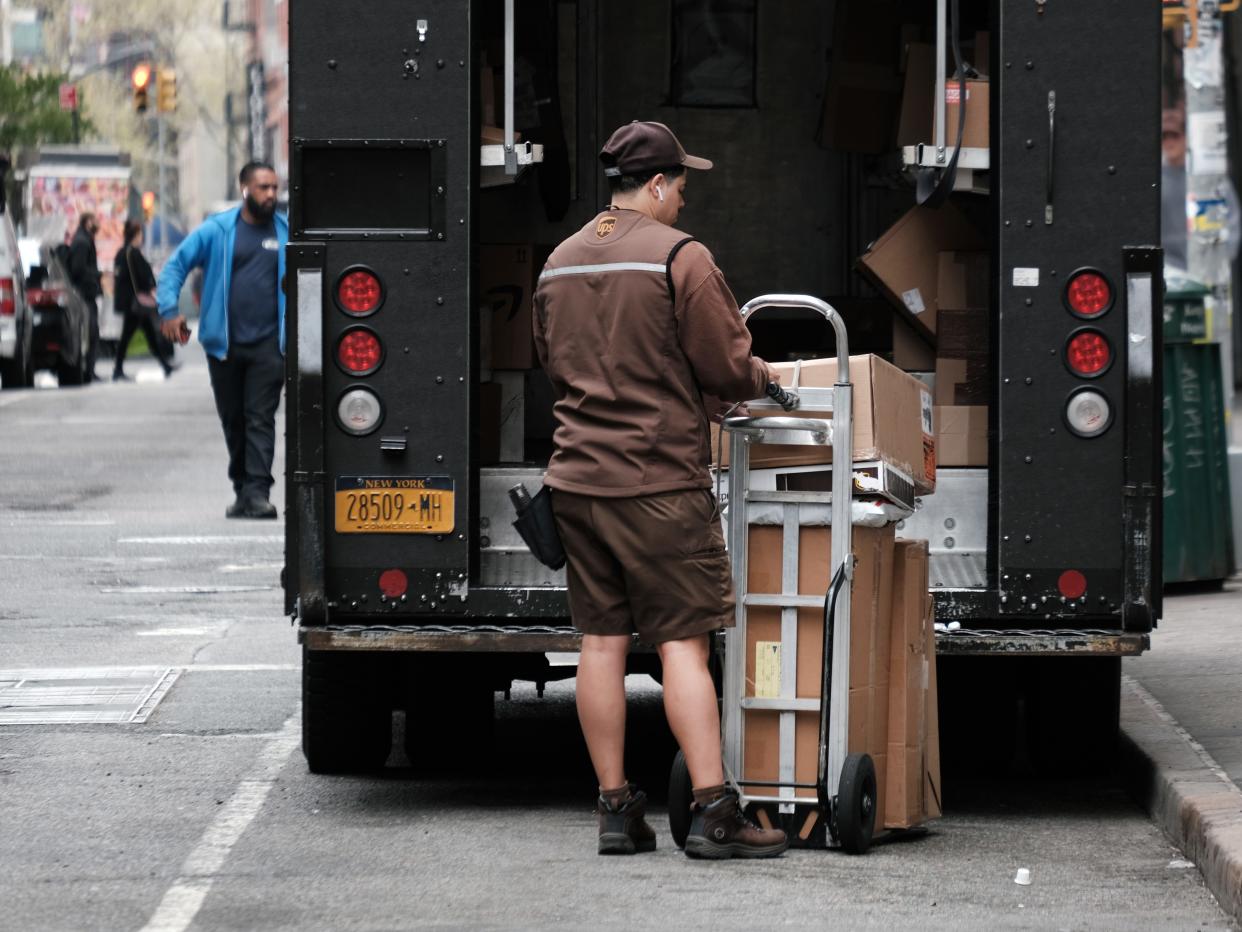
(660, 193)
(245, 192)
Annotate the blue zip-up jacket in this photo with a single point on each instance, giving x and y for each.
(210, 247)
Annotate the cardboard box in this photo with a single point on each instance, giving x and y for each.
(892, 420)
(962, 435)
(917, 96)
(975, 135)
(870, 624)
(962, 382)
(508, 274)
(913, 765)
(963, 335)
(863, 94)
(904, 263)
(911, 352)
(512, 423)
(963, 281)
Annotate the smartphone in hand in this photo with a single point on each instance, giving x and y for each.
(184, 335)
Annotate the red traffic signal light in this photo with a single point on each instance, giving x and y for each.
(140, 79)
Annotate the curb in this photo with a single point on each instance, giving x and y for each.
(1185, 791)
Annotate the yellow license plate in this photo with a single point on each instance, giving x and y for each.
(394, 505)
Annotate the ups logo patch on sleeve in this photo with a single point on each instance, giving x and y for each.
(605, 226)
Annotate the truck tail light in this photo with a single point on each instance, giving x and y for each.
(393, 583)
(359, 411)
(1073, 584)
(8, 303)
(1088, 413)
(359, 292)
(1088, 293)
(1088, 353)
(359, 351)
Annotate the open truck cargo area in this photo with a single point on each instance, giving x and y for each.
(437, 154)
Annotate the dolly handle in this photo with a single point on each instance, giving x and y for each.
(810, 302)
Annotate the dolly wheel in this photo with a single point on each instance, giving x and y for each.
(680, 795)
(856, 804)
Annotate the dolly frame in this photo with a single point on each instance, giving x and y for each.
(764, 426)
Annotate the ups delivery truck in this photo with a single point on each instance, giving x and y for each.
(436, 147)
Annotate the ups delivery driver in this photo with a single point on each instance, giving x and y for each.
(641, 337)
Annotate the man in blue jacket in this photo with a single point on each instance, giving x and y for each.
(241, 326)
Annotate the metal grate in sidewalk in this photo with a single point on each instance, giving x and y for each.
(82, 695)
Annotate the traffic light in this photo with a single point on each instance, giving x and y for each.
(166, 90)
(140, 78)
(148, 204)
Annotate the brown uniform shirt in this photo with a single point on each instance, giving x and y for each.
(632, 343)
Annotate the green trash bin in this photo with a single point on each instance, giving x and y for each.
(1198, 527)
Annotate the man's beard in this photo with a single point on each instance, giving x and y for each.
(260, 211)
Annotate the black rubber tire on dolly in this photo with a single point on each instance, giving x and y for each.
(346, 724)
(680, 796)
(856, 804)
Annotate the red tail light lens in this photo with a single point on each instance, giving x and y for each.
(359, 351)
(359, 292)
(393, 583)
(1088, 293)
(8, 303)
(1072, 584)
(1088, 353)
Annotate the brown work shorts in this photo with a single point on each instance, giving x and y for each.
(655, 564)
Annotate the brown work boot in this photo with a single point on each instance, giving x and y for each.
(718, 829)
(622, 828)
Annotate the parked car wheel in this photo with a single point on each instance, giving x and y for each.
(18, 372)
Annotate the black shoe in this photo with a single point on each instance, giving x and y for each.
(719, 829)
(236, 510)
(622, 826)
(259, 508)
(121, 377)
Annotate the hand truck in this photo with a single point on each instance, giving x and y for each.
(843, 811)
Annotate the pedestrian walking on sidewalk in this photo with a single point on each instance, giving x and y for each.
(241, 326)
(634, 325)
(133, 295)
(83, 269)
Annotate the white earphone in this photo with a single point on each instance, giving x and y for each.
(245, 192)
(660, 193)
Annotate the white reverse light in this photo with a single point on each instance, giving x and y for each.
(1088, 413)
(359, 411)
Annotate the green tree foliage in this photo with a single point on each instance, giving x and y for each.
(30, 113)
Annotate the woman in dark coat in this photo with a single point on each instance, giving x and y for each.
(134, 288)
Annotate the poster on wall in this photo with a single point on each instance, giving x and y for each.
(58, 201)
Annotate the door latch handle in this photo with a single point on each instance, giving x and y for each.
(1052, 137)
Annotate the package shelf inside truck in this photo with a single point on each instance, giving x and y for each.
(811, 193)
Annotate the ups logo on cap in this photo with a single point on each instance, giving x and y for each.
(605, 226)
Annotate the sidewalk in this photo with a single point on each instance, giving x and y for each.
(1181, 719)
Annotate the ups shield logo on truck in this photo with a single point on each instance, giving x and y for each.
(605, 226)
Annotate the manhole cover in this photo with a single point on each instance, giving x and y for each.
(83, 695)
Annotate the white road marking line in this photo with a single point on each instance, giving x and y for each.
(36, 524)
(185, 897)
(206, 539)
(78, 559)
(13, 399)
(149, 375)
(247, 567)
(180, 590)
(1161, 713)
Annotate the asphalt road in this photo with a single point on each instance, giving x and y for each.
(116, 558)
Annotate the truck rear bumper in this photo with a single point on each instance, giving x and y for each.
(556, 639)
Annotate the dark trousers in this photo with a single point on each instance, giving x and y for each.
(92, 347)
(144, 318)
(247, 389)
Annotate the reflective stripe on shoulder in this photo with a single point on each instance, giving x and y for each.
(658, 268)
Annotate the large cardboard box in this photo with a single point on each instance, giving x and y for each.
(962, 382)
(975, 134)
(508, 274)
(917, 96)
(892, 420)
(963, 281)
(962, 435)
(911, 351)
(913, 771)
(870, 625)
(863, 93)
(904, 263)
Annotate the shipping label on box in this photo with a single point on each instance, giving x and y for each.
(978, 103)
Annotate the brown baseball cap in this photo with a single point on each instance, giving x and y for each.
(643, 147)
